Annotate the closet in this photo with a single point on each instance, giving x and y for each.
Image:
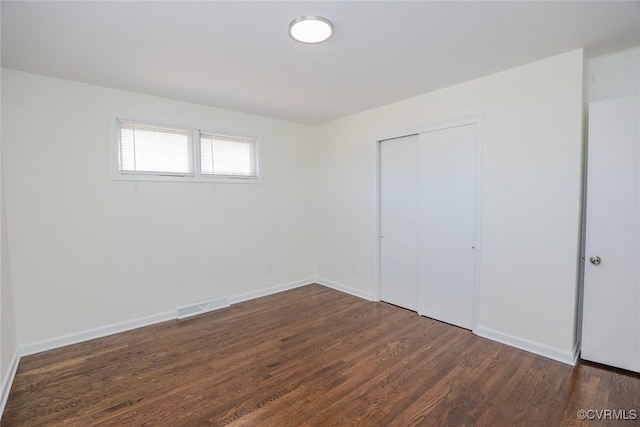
(429, 220)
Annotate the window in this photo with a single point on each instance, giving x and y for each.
(227, 156)
(155, 149)
(145, 151)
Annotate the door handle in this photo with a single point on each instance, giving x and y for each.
(595, 260)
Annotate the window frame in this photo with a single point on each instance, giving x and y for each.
(196, 176)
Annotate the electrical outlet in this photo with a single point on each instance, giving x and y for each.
(268, 268)
(354, 268)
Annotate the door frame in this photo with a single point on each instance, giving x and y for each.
(452, 122)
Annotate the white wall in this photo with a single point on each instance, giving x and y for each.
(532, 154)
(87, 251)
(615, 75)
(8, 344)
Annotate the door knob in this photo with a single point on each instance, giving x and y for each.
(595, 260)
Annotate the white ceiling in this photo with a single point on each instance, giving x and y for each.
(237, 55)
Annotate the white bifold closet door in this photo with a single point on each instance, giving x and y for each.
(428, 220)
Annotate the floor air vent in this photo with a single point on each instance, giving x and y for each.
(202, 307)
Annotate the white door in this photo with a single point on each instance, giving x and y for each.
(447, 206)
(611, 311)
(399, 221)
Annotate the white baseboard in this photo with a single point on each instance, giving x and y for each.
(269, 291)
(569, 358)
(7, 381)
(344, 288)
(102, 331)
(531, 346)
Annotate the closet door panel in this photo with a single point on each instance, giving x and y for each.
(447, 213)
(399, 221)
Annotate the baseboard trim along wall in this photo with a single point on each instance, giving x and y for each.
(269, 291)
(570, 358)
(7, 382)
(103, 331)
(78, 337)
(344, 288)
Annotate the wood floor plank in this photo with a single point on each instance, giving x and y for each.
(311, 356)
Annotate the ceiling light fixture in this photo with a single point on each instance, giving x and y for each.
(311, 29)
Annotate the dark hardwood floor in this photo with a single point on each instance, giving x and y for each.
(311, 356)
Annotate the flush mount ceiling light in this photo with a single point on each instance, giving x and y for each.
(310, 29)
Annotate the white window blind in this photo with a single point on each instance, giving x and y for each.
(148, 148)
(164, 152)
(227, 156)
